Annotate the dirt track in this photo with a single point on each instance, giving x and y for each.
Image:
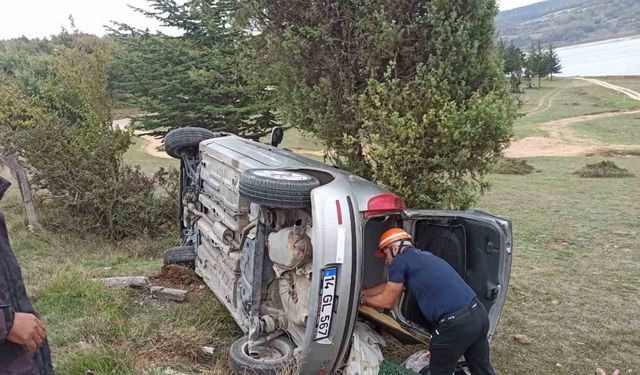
(561, 140)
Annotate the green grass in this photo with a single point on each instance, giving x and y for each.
(149, 164)
(623, 129)
(563, 98)
(296, 139)
(125, 111)
(574, 281)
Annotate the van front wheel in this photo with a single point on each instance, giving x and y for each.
(271, 358)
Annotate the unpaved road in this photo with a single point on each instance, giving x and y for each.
(561, 140)
(623, 90)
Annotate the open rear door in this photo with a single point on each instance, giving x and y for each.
(477, 245)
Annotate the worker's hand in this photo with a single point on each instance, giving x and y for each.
(27, 330)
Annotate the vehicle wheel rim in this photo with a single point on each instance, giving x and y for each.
(281, 175)
(268, 352)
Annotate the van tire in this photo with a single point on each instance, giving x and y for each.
(183, 255)
(277, 188)
(241, 362)
(185, 141)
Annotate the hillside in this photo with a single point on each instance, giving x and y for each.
(566, 22)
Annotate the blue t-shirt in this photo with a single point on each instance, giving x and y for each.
(437, 287)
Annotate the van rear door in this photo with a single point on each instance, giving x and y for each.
(476, 244)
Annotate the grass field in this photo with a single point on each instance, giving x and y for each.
(576, 272)
(562, 98)
(623, 129)
(573, 292)
(137, 156)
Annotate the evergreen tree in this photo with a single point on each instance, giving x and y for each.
(536, 63)
(193, 79)
(553, 62)
(514, 61)
(410, 94)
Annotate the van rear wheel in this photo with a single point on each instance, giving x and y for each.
(272, 358)
(185, 141)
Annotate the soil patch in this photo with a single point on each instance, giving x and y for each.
(604, 169)
(175, 276)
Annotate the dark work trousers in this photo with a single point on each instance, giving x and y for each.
(458, 334)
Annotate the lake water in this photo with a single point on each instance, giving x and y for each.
(607, 58)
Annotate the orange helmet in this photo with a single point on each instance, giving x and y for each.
(390, 236)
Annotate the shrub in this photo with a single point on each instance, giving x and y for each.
(603, 169)
(129, 204)
(61, 127)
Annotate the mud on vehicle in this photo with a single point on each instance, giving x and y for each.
(286, 243)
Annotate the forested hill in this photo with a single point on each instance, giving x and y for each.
(566, 22)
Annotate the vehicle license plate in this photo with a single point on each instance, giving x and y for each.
(327, 298)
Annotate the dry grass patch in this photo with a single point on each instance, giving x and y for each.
(513, 166)
(604, 169)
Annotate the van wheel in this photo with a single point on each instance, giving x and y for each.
(277, 188)
(275, 357)
(184, 141)
(183, 255)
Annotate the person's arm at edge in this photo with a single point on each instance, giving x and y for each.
(387, 298)
(374, 290)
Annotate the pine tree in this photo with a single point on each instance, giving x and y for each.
(410, 94)
(193, 79)
(536, 64)
(514, 61)
(553, 62)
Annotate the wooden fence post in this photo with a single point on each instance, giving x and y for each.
(20, 174)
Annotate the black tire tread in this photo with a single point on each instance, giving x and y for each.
(277, 193)
(249, 179)
(241, 364)
(187, 139)
(180, 255)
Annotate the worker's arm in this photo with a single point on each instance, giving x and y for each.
(386, 299)
(373, 291)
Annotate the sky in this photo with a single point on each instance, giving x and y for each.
(41, 18)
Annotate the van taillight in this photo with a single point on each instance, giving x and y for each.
(384, 203)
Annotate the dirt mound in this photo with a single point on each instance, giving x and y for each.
(513, 166)
(176, 276)
(604, 169)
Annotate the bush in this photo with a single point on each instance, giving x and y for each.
(604, 169)
(513, 166)
(61, 127)
(128, 205)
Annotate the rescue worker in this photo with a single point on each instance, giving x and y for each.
(23, 340)
(460, 320)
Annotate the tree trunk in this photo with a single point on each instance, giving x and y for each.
(539, 81)
(20, 174)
